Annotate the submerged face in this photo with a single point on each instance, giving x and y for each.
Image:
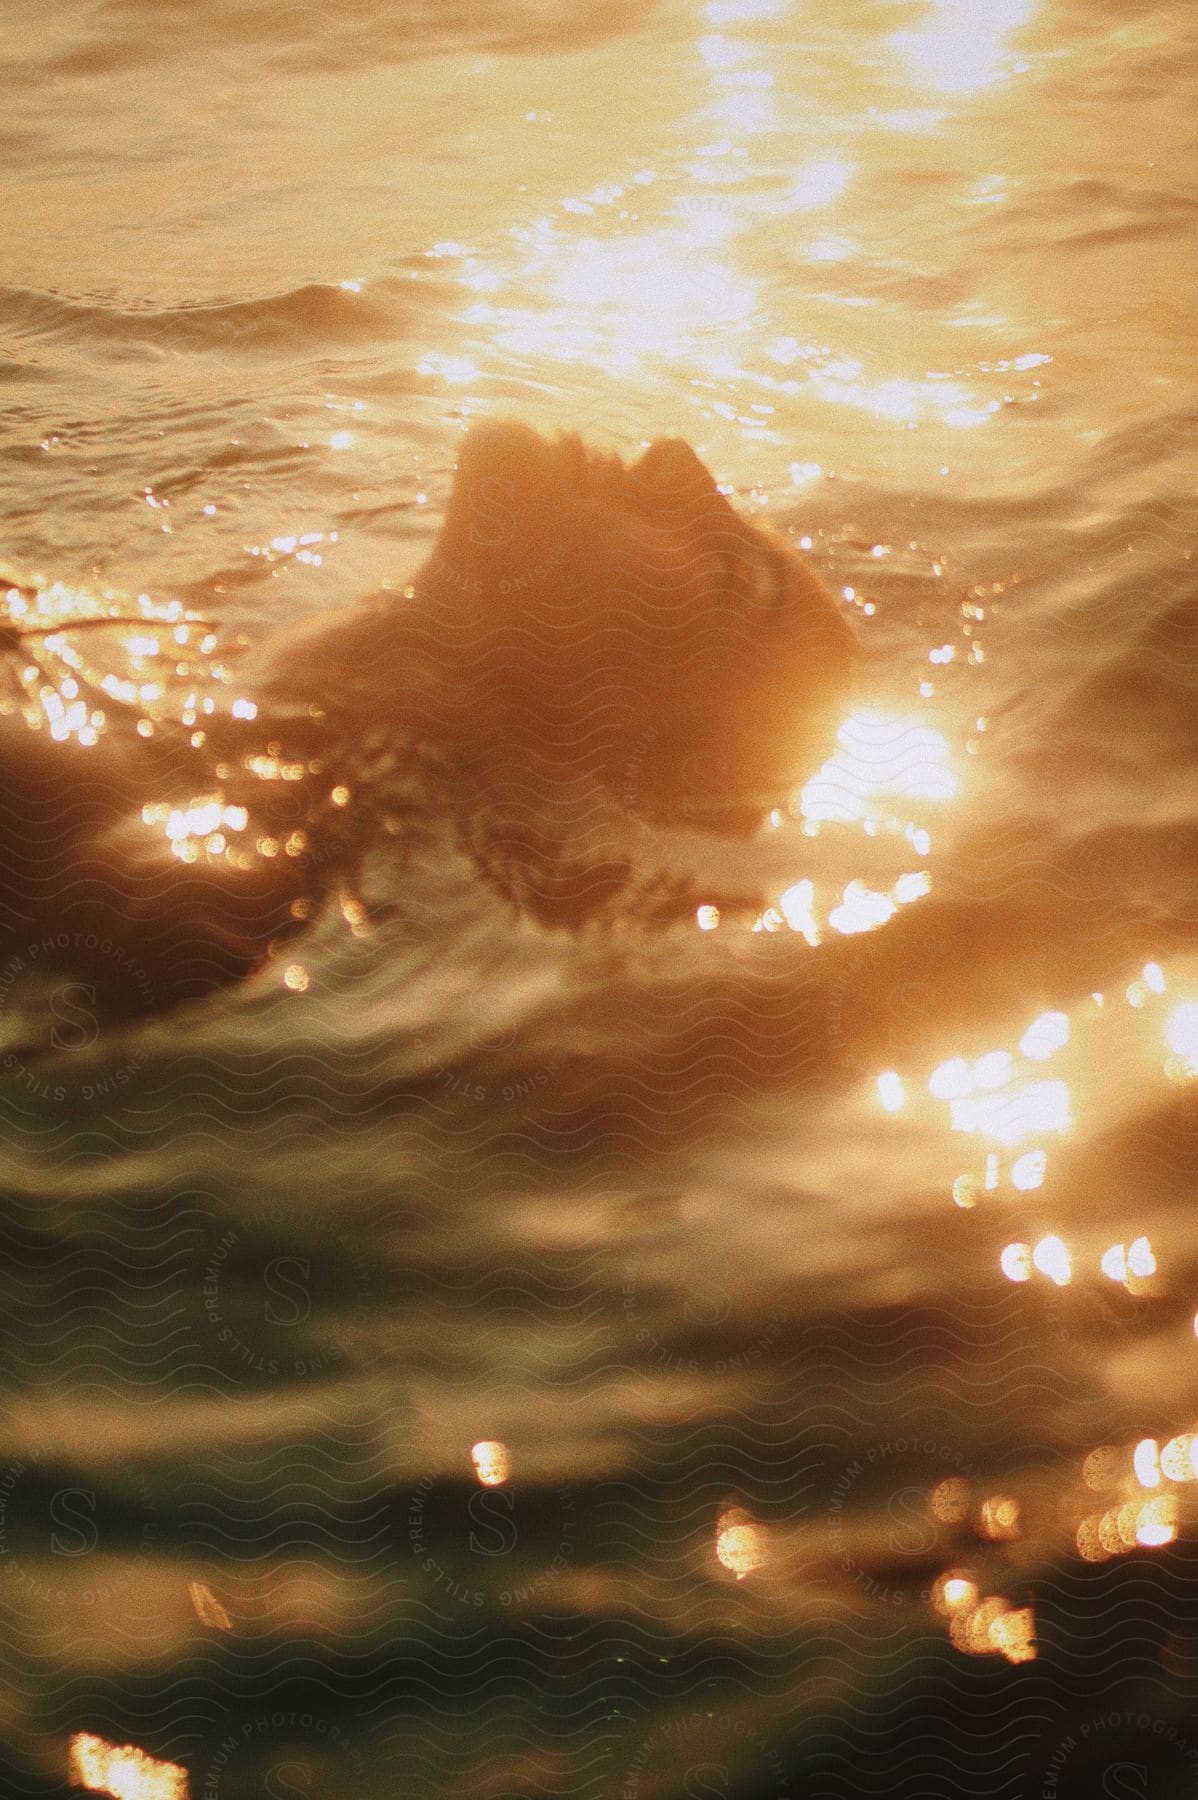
(629, 620)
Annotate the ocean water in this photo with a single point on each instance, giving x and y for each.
(844, 1424)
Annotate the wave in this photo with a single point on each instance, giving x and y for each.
(314, 315)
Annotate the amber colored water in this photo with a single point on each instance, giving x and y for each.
(755, 1336)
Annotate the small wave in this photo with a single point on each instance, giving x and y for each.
(298, 36)
(316, 314)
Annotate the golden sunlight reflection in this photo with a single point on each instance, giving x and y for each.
(1130, 1265)
(740, 1541)
(102, 662)
(71, 635)
(124, 1771)
(1044, 1036)
(1101, 1467)
(657, 269)
(998, 1518)
(1008, 1118)
(993, 1070)
(1146, 1463)
(912, 887)
(207, 1608)
(795, 906)
(989, 1096)
(950, 1501)
(1027, 1171)
(796, 297)
(890, 1091)
(962, 44)
(862, 909)
(878, 758)
(1181, 1035)
(201, 825)
(610, 302)
(843, 382)
(1134, 1267)
(1052, 1258)
(1134, 1524)
(954, 1589)
(1012, 1633)
(881, 759)
(1177, 1457)
(1016, 1262)
(965, 1191)
(741, 12)
(819, 183)
(993, 1627)
(492, 1462)
(1156, 1522)
(456, 369)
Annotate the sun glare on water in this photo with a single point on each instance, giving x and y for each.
(492, 1462)
(657, 271)
(123, 1771)
(962, 44)
(740, 1542)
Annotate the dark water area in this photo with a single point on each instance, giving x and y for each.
(734, 1345)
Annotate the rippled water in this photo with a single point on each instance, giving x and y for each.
(774, 1350)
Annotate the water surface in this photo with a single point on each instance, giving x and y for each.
(766, 1356)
